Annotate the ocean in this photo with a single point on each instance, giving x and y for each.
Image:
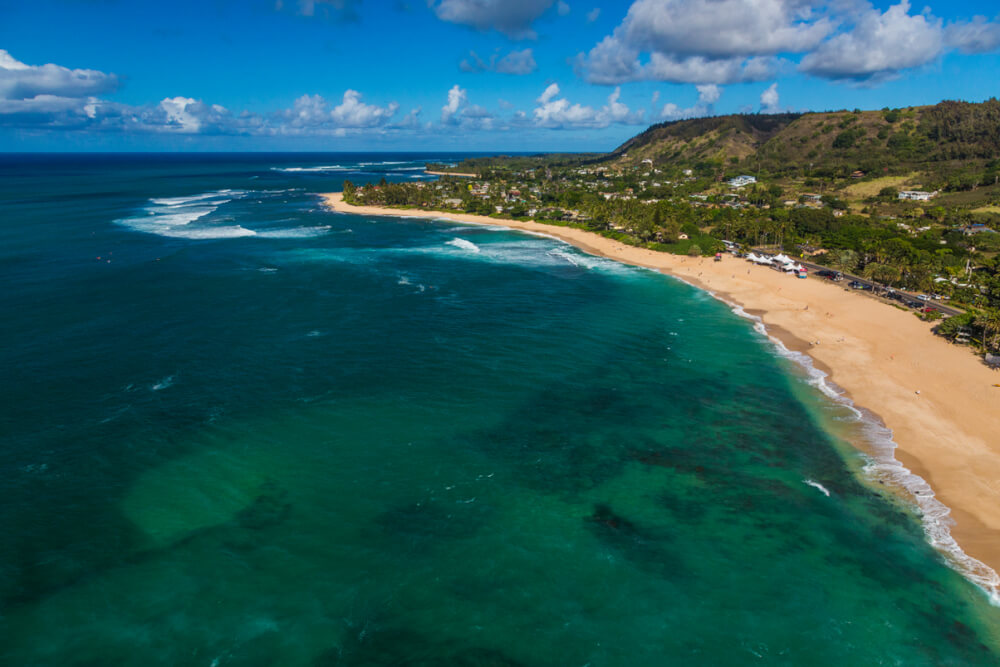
(239, 429)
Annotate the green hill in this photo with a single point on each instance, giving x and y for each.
(944, 140)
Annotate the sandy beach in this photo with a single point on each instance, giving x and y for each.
(937, 398)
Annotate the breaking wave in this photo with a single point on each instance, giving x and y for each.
(464, 245)
(191, 217)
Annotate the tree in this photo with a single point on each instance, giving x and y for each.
(989, 322)
(694, 250)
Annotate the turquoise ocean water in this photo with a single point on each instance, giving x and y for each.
(238, 429)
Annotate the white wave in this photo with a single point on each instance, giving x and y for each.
(464, 245)
(163, 384)
(267, 269)
(321, 168)
(175, 218)
(184, 201)
(380, 164)
(935, 515)
(205, 233)
(817, 485)
(295, 232)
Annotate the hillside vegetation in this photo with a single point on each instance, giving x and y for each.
(955, 144)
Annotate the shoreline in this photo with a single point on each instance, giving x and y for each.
(935, 399)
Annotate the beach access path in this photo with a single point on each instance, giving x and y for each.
(937, 398)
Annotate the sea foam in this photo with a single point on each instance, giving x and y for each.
(464, 245)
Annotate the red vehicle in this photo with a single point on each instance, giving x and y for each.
(718, 257)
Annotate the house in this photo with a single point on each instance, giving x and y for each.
(916, 195)
(454, 203)
(977, 228)
(682, 236)
(858, 174)
(741, 181)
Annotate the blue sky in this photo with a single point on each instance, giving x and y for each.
(518, 75)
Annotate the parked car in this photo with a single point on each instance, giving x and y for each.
(923, 297)
(826, 273)
(856, 284)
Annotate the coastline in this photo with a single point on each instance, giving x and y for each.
(937, 399)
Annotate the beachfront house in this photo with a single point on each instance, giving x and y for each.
(742, 181)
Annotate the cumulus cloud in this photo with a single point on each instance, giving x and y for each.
(879, 45)
(717, 41)
(459, 113)
(515, 62)
(313, 112)
(559, 113)
(770, 101)
(513, 18)
(593, 14)
(730, 41)
(457, 97)
(21, 82)
(976, 36)
(708, 95)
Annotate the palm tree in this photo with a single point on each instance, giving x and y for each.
(989, 320)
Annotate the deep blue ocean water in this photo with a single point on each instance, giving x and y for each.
(238, 429)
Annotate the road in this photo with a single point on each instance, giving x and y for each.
(948, 311)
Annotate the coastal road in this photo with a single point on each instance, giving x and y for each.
(909, 297)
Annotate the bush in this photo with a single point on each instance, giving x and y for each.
(694, 250)
(848, 138)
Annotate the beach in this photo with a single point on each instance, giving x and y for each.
(938, 399)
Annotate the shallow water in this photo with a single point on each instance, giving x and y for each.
(339, 440)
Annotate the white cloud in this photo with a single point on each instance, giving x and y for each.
(696, 41)
(708, 95)
(562, 8)
(20, 82)
(558, 113)
(770, 101)
(730, 41)
(593, 14)
(878, 46)
(178, 116)
(456, 98)
(515, 62)
(724, 28)
(513, 18)
(313, 112)
(976, 36)
(352, 112)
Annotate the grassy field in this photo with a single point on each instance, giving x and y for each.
(867, 189)
(987, 209)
